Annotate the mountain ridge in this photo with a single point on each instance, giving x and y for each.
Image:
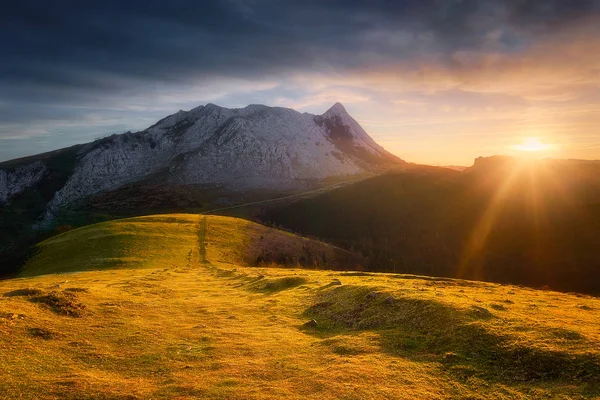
(255, 147)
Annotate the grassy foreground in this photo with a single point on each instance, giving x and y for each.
(156, 323)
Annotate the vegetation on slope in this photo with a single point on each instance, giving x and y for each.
(182, 329)
(225, 332)
(157, 241)
(16, 217)
(18, 239)
(502, 221)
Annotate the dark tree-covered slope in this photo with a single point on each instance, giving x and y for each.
(504, 220)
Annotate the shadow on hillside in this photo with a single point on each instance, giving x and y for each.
(427, 330)
(505, 221)
(259, 283)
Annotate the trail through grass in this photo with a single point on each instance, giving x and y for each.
(202, 226)
(162, 241)
(222, 330)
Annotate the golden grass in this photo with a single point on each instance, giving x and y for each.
(169, 240)
(174, 330)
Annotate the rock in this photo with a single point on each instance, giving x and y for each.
(310, 324)
(451, 357)
(15, 181)
(390, 300)
(256, 147)
(336, 282)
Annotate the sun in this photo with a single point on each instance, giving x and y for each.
(532, 144)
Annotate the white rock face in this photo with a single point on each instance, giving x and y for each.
(15, 181)
(256, 147)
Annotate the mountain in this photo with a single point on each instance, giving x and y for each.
(256, 147)
(502, 220)
(192, 160)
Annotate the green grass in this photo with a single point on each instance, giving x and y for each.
(132, 243)
(413, 327)
(228, 330)
(162, 241)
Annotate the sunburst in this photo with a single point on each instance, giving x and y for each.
(532, 144)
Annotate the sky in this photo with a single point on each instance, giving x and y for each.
(434, 81)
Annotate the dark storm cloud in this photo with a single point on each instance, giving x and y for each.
(56, 54)
(92, 45)
(550, 12)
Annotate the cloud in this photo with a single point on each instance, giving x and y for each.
(70, 62)
(104, 46)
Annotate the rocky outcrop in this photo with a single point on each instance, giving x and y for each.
(256, 147)
(15, 181)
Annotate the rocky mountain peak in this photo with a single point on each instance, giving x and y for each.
(241, 149)
(337, 109)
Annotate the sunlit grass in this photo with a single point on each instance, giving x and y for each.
(169, 240)
(179, 329)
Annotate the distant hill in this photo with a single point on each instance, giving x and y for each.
(505, 220)
(455, 167)
(158, 241)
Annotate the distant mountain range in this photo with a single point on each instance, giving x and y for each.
(256, 147)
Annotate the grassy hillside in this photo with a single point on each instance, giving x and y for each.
(142, 198)
(179, 328)
(163, 241)
(16, 217)
(503, 221)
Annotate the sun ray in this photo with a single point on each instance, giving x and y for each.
(544, 189)
(481, 231)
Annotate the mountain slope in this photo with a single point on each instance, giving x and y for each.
(191, 161)
(181, 329)
(502, 220)
(256, 147)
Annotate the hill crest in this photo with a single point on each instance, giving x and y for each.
(163, 241)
